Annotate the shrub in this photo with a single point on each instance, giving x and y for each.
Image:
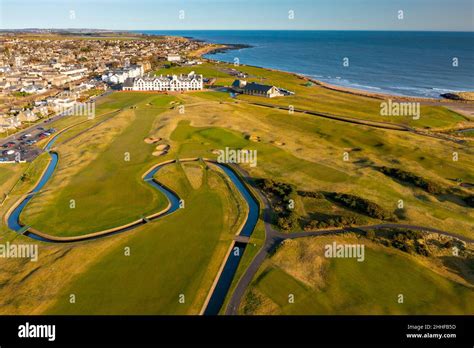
(469, 200)
(360, 205)
(413, 179)
(310, 194)
(370, 234)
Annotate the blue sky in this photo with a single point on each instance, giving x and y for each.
(453, 15)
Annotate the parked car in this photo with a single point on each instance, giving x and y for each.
(8, 152)
(3, 159)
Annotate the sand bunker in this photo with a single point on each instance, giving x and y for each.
(159, 153)
(255, 138)
(162, 147)
(151, 140)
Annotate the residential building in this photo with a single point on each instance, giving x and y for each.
(174, 58)
(190, 82)
(116, 76)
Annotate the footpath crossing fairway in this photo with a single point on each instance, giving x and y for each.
(169, 265)
(153, 284)
(207, 238)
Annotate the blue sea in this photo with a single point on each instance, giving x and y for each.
(419, 64)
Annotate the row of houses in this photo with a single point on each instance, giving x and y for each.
(16, 116)
(35, 79)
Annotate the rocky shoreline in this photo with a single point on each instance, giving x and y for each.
(228, 47)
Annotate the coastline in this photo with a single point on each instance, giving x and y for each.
(465, 108)
(211, 48)
(448, 98)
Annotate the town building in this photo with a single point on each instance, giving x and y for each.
(174, 58)
(190, 82)
(252, 88)
(117, 76)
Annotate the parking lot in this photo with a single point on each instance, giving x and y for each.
(22, 146)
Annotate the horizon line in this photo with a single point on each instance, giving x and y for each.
(139, 30)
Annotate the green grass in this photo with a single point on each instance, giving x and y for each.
(182, 252)
(208, 70)
(379, 143)
(319, 99)
(109, 191)
(169, 257)
(312, 159)
(198, 141)
(5, 174)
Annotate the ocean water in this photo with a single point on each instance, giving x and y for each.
(419, 64)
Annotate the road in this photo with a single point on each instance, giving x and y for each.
(273, 238)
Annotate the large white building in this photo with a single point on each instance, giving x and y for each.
(116, 76)
(190, 82)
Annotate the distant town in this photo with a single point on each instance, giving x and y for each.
(40, 76)
(43, 73)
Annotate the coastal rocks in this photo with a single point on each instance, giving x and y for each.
(227, 47)
(466, 96)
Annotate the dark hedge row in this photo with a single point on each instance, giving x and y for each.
(331, 221)
(355, 203)
(413, 179)
(360, 205)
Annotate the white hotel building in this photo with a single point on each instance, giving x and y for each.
(190, 82)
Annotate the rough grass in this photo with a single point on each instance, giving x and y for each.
(317, 98)
(345, 286)
(169, 257)
(106, 186)
(308, 154)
